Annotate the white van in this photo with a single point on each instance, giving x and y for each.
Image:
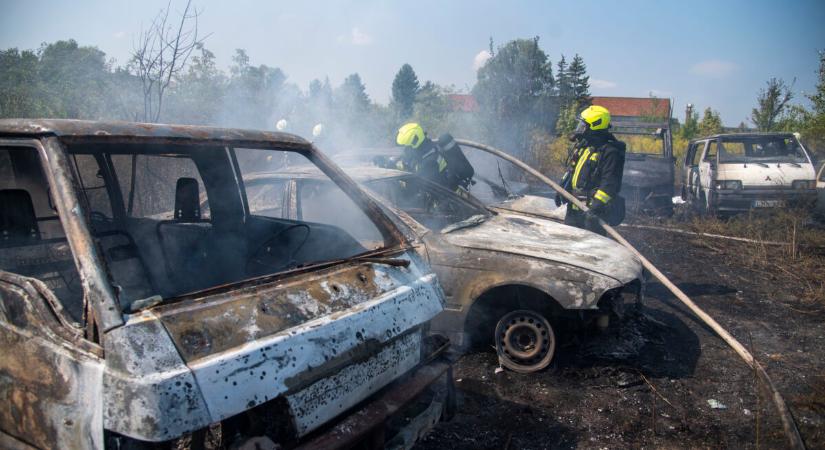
(738, 172)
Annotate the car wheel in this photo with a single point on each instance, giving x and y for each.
(525, 341)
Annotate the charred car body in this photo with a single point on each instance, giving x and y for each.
(648, 178)
(123, 330)
(730, 173)
(509, 277)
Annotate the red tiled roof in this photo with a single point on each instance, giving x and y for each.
(634, 106)
(463, 102)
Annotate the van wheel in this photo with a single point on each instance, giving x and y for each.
(525, 341)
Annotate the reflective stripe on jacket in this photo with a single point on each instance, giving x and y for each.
(596, 170)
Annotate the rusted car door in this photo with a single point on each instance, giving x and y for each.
(51, 383)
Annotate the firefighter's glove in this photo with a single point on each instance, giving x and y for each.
(597, 208)
(559, 200)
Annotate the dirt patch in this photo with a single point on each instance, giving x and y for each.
(662, 379)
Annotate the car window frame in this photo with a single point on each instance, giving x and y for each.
(64, 189)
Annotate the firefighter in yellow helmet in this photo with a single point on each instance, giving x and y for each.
(594, 172)
(440, 161)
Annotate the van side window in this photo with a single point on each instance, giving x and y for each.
(32, 240)
(710, 152)
(696, 153)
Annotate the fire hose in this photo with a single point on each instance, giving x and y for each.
(788, 422)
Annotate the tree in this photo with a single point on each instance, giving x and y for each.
(73, 80)
(198, 95)
(710, 124)
(573, 90)
(772, 102)
(252, 93)
(161, 53)
(813, 130)
(19, 84)
(818, 98)
(563, 88)
(431, 108)
(404, 89)
(352, 94)
(691, 127)
(567, 120)
(579, 81)
(515, 93)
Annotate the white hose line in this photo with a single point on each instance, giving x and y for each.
(788, 422)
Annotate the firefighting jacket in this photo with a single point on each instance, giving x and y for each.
(445, 165)
(595, 168)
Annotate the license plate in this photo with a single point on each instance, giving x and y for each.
(326, 398)
(768, 203)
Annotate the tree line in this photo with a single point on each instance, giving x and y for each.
(524, 100)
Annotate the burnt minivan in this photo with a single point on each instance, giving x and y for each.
(143, 305)
(729, 173)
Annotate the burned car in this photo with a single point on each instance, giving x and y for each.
(510, 278)
(649, 168)
(219, 324)
(730, 173)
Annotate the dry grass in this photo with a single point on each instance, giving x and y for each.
(801, 259)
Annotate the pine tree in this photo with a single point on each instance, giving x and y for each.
(563, 88)
(405, 86)
(579, 81)
(353, 94)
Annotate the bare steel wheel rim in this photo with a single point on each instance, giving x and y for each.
(525, 341)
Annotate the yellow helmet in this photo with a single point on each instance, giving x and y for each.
(596, 117)
(411, 135)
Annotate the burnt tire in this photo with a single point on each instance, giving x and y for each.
(525, 341)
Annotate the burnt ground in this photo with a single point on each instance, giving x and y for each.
(648, 382)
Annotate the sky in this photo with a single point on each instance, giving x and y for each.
(716, 54)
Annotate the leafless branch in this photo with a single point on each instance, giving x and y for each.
(162, 51)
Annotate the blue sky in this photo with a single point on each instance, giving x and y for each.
(709, 53)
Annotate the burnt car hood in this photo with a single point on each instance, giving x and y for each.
(533, 205)
(551, 241)
(323, 342)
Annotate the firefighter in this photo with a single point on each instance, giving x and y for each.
(440, 161)
(594, 172)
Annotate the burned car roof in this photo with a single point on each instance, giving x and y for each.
(744, 135)
(65, 128)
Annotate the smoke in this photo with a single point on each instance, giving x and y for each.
(481, 58)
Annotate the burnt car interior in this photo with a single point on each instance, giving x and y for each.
(432, 206)
(144, 207)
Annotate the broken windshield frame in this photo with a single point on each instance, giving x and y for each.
(172, 251)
